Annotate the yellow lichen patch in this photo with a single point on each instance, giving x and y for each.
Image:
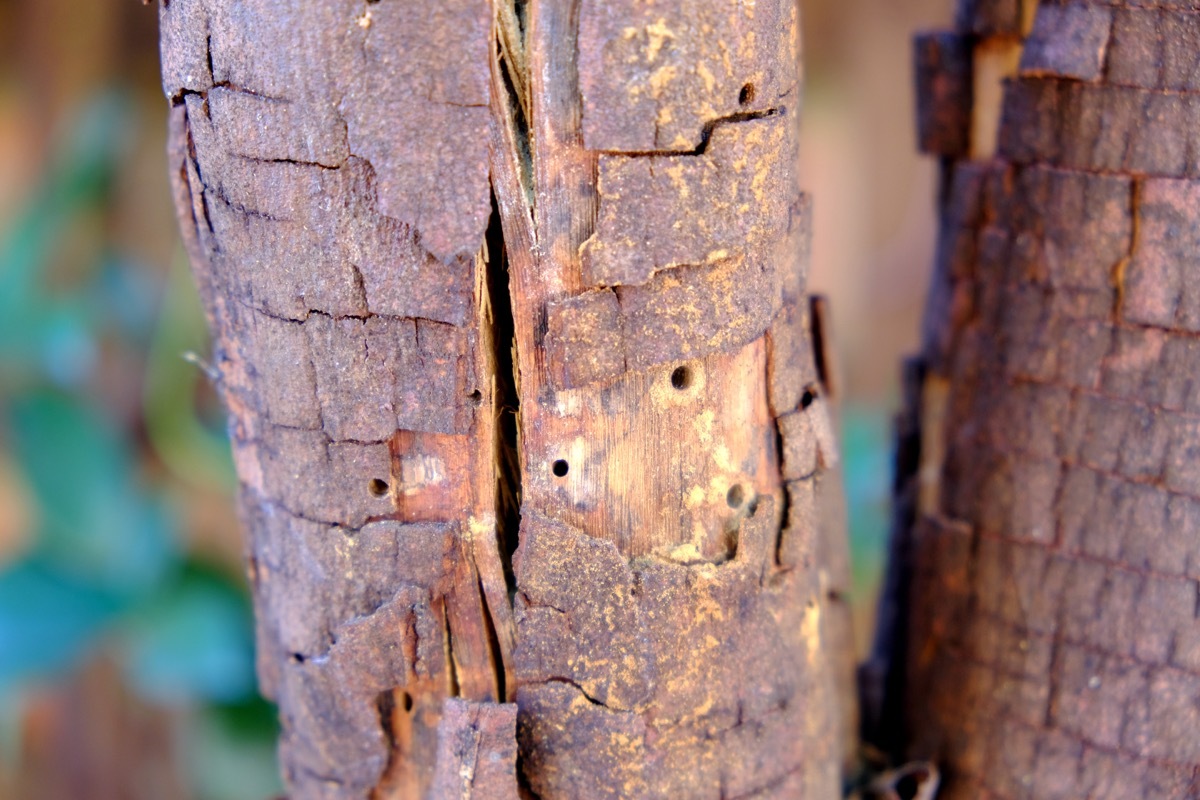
(675, 173)
(710, 80)
(686, 553)
(723, 459)
(657, 34)
(660, 78)
(478, 527)
(705, 607)
(810, 631)
(703, 425)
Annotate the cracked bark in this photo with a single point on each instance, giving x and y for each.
(1048, 479)
(535, 448)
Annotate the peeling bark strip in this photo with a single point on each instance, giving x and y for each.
(1052, 456)
(536, 456)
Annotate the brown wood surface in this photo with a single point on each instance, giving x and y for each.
(510, 316)
(1050, 453)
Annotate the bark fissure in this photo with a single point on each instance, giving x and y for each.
(453, 688)
(505, 397)
(706, 134)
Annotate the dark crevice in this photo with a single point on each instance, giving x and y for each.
(195, 163)
(385, 704)
(453, 688)
(229, 86)
(578, 688)
(505, 399)
(706, 134)
(494, 650)
(818, 325)
(526, 790)
(514, 86)
(240, 208)
(298, 162)
(785, 506)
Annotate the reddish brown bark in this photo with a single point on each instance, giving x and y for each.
(510, 316)
(1051, 454)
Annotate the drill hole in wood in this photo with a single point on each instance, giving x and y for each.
(735, 496)
(681, 378)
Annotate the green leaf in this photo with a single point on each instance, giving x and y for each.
(867, 467)
(192, 642)
(48, 619)
(95, 520)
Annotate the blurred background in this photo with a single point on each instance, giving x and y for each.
(126, 652)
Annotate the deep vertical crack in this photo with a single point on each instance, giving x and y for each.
(510, 54)
(505, 398)
(453, 687)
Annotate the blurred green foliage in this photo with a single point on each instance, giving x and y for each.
(106, 568)
(866, 439)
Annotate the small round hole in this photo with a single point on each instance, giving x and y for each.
(907, 787)
(476, 398)
(378, 487)
(808, 398)
(681, 378)
(736, 496)
(746, 95)
(560, 468)
(406, 701)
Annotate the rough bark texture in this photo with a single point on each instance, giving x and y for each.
(1050, 458)
(509, 312)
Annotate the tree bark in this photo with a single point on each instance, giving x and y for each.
(1049, 508)
(509, 313)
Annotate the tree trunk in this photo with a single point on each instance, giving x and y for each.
(1051, 446)
(509, 313)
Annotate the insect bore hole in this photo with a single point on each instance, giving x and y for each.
(560, 468)
(681, 378)
(735, 496)
(746, 95)
(378, 487)
(808, 398)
